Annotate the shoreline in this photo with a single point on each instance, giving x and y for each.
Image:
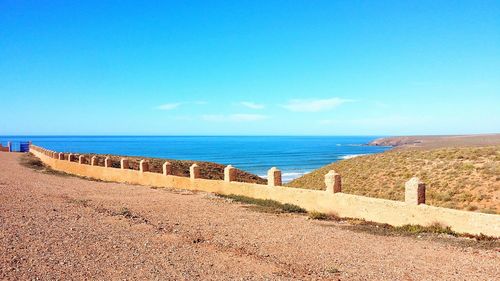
(253, 154)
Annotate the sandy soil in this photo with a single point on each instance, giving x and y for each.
(429, 142)
(61, 227)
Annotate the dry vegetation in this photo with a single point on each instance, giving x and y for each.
(461, 178)
(208, 170)
(264, 205)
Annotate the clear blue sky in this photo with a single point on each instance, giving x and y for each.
(249, 67)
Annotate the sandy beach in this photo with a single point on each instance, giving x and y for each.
(63, 227)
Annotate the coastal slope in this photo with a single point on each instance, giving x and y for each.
(456, 177)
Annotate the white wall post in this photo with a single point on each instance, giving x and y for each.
(229, 173)
(124, 163)
(274, 177)
(167, 168)
(107, 162)
(415, 191)
(194, 171)
(143, 166)
(93, 161)
(333, 182)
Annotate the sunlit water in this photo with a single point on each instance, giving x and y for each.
(294, 156)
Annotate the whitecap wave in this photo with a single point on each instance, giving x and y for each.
(350, 156)
(288, 176)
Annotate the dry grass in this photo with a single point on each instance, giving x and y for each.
(264, 205)
(208, 170)
(465, 178)
(30, 161)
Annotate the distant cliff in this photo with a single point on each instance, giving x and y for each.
(396, 141)
(438, 141)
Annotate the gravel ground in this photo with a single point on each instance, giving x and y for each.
(61, 227)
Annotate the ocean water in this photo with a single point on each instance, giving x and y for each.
(294, 156)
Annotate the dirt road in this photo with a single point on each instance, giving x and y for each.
(61, 227)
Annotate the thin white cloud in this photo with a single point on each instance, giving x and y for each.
(314, 105)
(168, 106)
(233, 117)
(252, 105)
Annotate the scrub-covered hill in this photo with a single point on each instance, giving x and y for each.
(208, 170)
(461, 178)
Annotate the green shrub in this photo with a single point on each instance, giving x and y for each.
(433, 228)
(265, 204)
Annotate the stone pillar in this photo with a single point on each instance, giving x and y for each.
(93, 161)
(333, 182)
(274, 177)
(107, 162)
(60, 156)
(55, 155)
(143, 166)
(9, 145)
(124, 163)
(229, 173)
(70, 157)
(167, 168)
(80, 159)
(415, 191)
(194, 171)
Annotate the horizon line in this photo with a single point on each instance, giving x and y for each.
(235, 135)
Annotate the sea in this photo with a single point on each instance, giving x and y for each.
(293, 155)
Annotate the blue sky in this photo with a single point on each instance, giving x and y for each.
(249, 67)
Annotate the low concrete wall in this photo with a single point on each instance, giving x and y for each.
(344, 205)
